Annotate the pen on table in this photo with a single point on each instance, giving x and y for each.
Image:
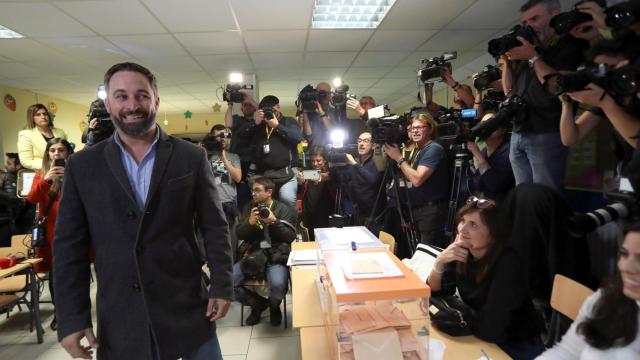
(485, 354)
(354, 246)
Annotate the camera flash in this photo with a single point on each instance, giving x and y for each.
(235, 77)
(102, 92)
(337, 82)
(337, 138)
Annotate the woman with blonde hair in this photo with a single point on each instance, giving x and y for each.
(33, 140)
(46, 191)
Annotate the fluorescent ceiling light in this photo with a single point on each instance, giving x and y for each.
(235, 77)
(6, 33)
(350, 14)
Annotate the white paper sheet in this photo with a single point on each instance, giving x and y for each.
(389, 268)
(303, 257)
(27, 181)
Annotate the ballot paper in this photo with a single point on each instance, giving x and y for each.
(369, 265)
(303, 257)
(379, 344)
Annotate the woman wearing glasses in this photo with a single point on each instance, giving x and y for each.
(488, 277)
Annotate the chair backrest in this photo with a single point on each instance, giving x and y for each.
(17, 247)
(388, 239)
(568, 295)
(304, 232)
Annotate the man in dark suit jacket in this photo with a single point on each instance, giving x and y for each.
(134, 198)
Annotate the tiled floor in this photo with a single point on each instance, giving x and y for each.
(261, 341)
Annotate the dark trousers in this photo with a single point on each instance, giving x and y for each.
(5, 234)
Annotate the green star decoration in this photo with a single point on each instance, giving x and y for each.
(187, 114)
(52, 116)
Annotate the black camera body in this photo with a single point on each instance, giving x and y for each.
(432, 68)
(232, 92)
(511, 111)
(501, 45)
(619, 83)
(564, 22)
(212, 144)
(307, 98)
(622, 15)
(263, 211)
(340, 95)
(338, 155)
(104, 128)
(489, 74)
(390, 130)
(268, 112)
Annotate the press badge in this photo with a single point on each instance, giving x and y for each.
(266, 149)
(217, 180)
(264, 244)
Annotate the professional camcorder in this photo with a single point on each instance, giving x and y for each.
(308, 97)
(453, 124)
(501, 45)
(492, 99)
(104, 128)
(619, 83)
(433, 68)
(340, 95)
(489, 74)
(338, 155)
(564, 22)
(390, 129)
(232, 92)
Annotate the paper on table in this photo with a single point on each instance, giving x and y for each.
(298, 257)
(380, 344)
(389, 269)
(345, 236)
(366, 266)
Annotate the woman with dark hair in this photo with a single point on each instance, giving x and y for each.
(608, 321)
(488, 276)
(318, 196)
(33, 140)
(45, 192)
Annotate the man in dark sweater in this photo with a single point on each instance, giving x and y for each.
(275, 155)
(271, 234)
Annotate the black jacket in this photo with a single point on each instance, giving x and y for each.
(283, 143)
(278, 231)
(362, 182)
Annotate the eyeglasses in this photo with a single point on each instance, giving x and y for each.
(365, 141)
(414, 128)
(255, 191)
(480, 202)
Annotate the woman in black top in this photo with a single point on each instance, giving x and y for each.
(489, 278)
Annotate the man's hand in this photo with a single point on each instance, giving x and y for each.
(217, 308)
(271, 219)
(71, 344)
(596, 12)
(592, 95)
(392, 152)
(446, 76)
(253, 216)
(259, 117)
(273, 122)
(474, 149)
(523, 52)
(350, 159)
(354, 104)
(93, 123)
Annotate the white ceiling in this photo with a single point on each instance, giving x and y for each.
(192, 45)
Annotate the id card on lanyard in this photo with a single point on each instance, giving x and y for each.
(266, 149)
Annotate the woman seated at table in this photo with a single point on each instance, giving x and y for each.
(489, 279)
(607, 326)
(45, 191)
(33, 140)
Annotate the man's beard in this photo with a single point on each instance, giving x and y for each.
(134, 129)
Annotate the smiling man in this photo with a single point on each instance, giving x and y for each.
(133, 199)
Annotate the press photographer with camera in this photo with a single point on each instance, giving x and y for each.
(355, 126)
(275, 154)
(239, 145)
(316, 113)
(489, 90)
(226, 169)
(100, 126)
(534, 51)
(424, 176)
(267, 228)
(463, 93)
(318, 191)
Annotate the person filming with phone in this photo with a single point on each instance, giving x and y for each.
(46, 192)
(319, 192)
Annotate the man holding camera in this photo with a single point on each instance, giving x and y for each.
(267, 228)
(276, 138)
(354, 127)
(537, 154)
(317, 116)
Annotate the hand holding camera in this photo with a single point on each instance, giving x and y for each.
(259, 116)
(354, 104)
(525, 51)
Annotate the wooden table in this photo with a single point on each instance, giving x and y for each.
(27, 265)
(307, 317)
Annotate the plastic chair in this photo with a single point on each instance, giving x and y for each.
(304, 232)
(265, 285)
(567, 297)
(389, 240)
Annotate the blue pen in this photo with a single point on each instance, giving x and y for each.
(354, 246)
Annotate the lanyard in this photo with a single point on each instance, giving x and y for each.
(412, 157)
(268, 131)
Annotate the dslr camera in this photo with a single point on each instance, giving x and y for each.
(268, 112)
(621, 16)
(263, 211)
(619, 83)
(307, 98)
(511, 111)
(564, 22)
(212, 144)
(432, 68)
(501, 45)
(232, 92)
(489, 74)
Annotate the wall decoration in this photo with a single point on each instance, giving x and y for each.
(216, 107)
(206, 122)
(53, 107)
(52, 116)
(166, 121)
(10, 102)
(187, 114)
(82, 125)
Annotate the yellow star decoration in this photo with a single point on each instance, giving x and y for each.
(216, 107)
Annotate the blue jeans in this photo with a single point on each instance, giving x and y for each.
(538, 158)
(288, 190)
(277, 276)
(207, 351)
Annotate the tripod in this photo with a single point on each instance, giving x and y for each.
(405, 214)
(460, 174)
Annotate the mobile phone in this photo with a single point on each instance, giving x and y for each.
(311, 175)
(59, 162)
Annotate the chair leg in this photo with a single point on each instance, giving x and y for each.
(241, 314)
(285, 310)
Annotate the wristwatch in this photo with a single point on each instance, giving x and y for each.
(400, 162)
(533, 60)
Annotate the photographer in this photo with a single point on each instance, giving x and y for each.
(267, 226)
(463, 96)
(361, 180)
(226, 170)
(537, 154)
(317, 124)
(355, 127)
(424, 176)
(493, 177)
(240, 145)
(318, 196)
(275, 154)
(99, 127)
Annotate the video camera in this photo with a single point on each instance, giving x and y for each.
(232, 92)
(390, 129)
(433, 68)
(484, 78)
(308, 97)
(104, 128)
(619, 83)
(212, 144)
(510, 111)
(499, 46)
(338, 155)
(564, 22)
(623, 15)
(340, 95)
(453, 124)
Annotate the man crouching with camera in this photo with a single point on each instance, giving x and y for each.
(266, 230)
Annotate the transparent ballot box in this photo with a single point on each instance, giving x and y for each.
(343, 239)
(373, 306)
